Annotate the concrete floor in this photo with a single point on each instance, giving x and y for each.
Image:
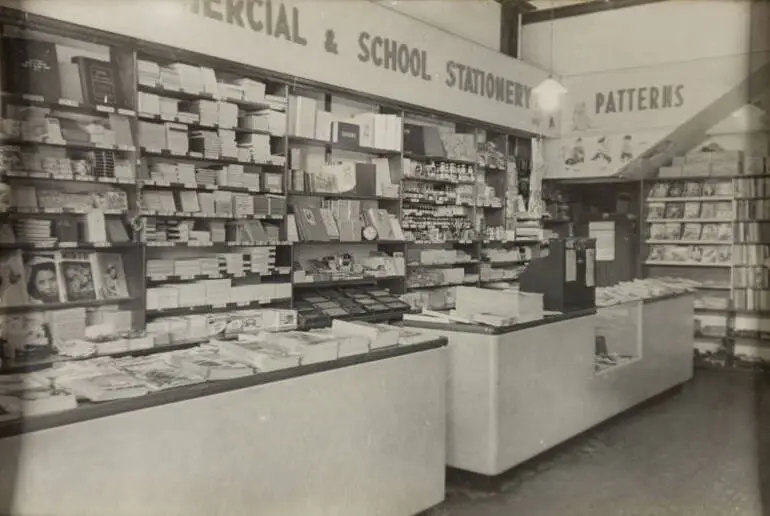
(703, 450)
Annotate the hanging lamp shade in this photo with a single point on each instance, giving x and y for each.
(548, 94)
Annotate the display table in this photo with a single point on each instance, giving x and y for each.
(515, 392)
(364, 435)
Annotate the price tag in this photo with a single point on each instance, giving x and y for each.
(198, 155)
(58, 210)
(105, 109)
(68, 245)
(68, 102)
(126, 112)
(219, 307)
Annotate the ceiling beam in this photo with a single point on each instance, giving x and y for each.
(567, 11)
(521, 5)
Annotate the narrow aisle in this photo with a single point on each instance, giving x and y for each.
(695, 452)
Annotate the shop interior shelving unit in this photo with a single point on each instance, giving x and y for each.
(168, 194)
(707, 219)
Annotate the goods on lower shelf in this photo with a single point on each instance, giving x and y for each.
(104, 379)
(316, 308)
(640, 289)
(346, 267)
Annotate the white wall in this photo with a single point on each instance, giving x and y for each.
(475, 20)
(647, 35)
(705, 48)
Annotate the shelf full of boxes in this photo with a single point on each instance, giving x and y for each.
(345, 208)
(706, 217)
(212, 200)
(70, 259)
(179, 191)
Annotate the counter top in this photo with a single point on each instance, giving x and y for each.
(87, 411)
(664, 297)
(498, 330)
(648, 300)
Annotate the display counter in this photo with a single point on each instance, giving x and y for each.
(362, 435)
(515, 392)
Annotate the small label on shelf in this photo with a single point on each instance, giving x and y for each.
(33, 98)
(67, 245)
(69, 103)
(105, 109)
(126, 112)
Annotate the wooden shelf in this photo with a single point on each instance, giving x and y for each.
(354, 242)
(686, 264)
(441, 159)
(73, 245)
(298, 140)
(685, 221)
(193, 245)
(200, 158)
(85, 146)
(181, 94)
(197, 125)
(61, 306)
(713, 198)
(357, 197)
(65, 104)
(207, 216)
(368, 280)
(437, 180)
(208, 308)
(48, 176)
(157, 183)
(175, 278)
(690, 242)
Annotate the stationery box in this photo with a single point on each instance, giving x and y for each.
(673, 171)
(345, 133)
(725, 168)
(697, 168)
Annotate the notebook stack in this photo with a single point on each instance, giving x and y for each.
(229, 147)
(176, 138)
(207, 111)
(206, 176)
(148, 72)
(206, 143)
(34, 231)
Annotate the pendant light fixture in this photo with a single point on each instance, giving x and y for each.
(549, 92)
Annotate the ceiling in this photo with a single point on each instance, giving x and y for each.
(555, 4)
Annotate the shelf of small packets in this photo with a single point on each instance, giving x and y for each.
(237, 347)
(193, 112)
(444, 203)
(690, 222)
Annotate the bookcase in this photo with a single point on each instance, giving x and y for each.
(156, 192)
(706, 220)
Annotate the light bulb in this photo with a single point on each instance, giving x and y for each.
(548, 94)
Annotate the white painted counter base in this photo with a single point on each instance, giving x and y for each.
(367, 439)
(514, 395)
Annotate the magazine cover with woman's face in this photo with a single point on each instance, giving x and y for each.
(42, 278)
